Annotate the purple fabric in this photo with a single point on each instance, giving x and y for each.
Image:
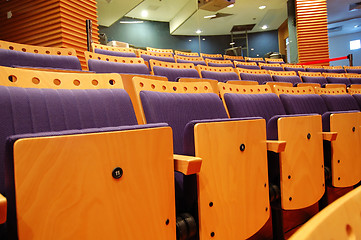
(355, 80)
(357, 97)
(183, 55)
(253, 105)
(294, 69)
(164, 59)
(342, 102)
(9, 58)
(52, 68)
(270, 61)
(335, 70)
(27, 111)
(220, 76)
(256, 61)
(321, 70)
(99, 66)
(213, 58)
(173, 73)
(194, 62)
(303, 104)
(179, 109)
(272, 68)
(220, 64)
(354, 71)
(248, 66)
(260, 78)
(320, 80)
(292, 79)
(339, 80)
(114, 53)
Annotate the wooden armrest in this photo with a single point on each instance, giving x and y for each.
(276, 146)
(187, 164)
(329, 136)
(3, 208)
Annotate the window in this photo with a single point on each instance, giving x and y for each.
(355, 44)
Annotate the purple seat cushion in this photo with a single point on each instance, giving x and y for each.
(220, 64)
(342, 102)
(164, 59)
(321, 70)
(194, 62)
(335, 70)
(115, 67)
(9, 58)
(260, 78)
(184, 55)
(220, 76)
(303, 104)
(355, 80)
(272, 68)
(256, 61)
(173, 73)
(248, 66)
(114, 53)
(354, 71)
(339, 80)
(270, 61)
(320, 80)
(292, 79)
(253, 105)
(357, 97)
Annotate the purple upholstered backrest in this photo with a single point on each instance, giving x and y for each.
(194, 62)
(321, 70)
(177, 109)
(342, 80)
(256, 61)
(99, 66)
(254, 105)
(220, 76)
(320, 80)
(303, 104)
(342, 102)
(292, 79)
(173, 73)
(354, 71)
(335, 70)
(247, 66)
(294, 69)
(357, 97)
(213, 58)
(260, 78)
(220, 64)
(26, 111)
(115, 53)
(272, 68)
(10, 58)
(355, 80)
(163, 59)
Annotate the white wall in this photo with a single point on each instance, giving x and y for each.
(340, 46)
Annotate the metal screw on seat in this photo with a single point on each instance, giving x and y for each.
(309, 136)
(242, 147)
(117, 173)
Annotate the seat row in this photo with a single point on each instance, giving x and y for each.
(237, 159)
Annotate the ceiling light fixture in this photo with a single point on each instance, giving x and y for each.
(262, 7)
(144, 13)
(232, 43)
(131, 22)
(230, 6)
(203, 39)
(190, 40)
(356, 26)
(199, 31)
(210, 16)
(264, 27)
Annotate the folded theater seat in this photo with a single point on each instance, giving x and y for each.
(229, 196)
(190, 59)
(340, 114)
(296, 173)
(218, 63)
(113, 51)
(74, 164)
(221, 74)
(36, 57)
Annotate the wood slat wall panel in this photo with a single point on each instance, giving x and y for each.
(49, 23)
(312, 35)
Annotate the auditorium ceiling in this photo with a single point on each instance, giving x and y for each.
(186, 18)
